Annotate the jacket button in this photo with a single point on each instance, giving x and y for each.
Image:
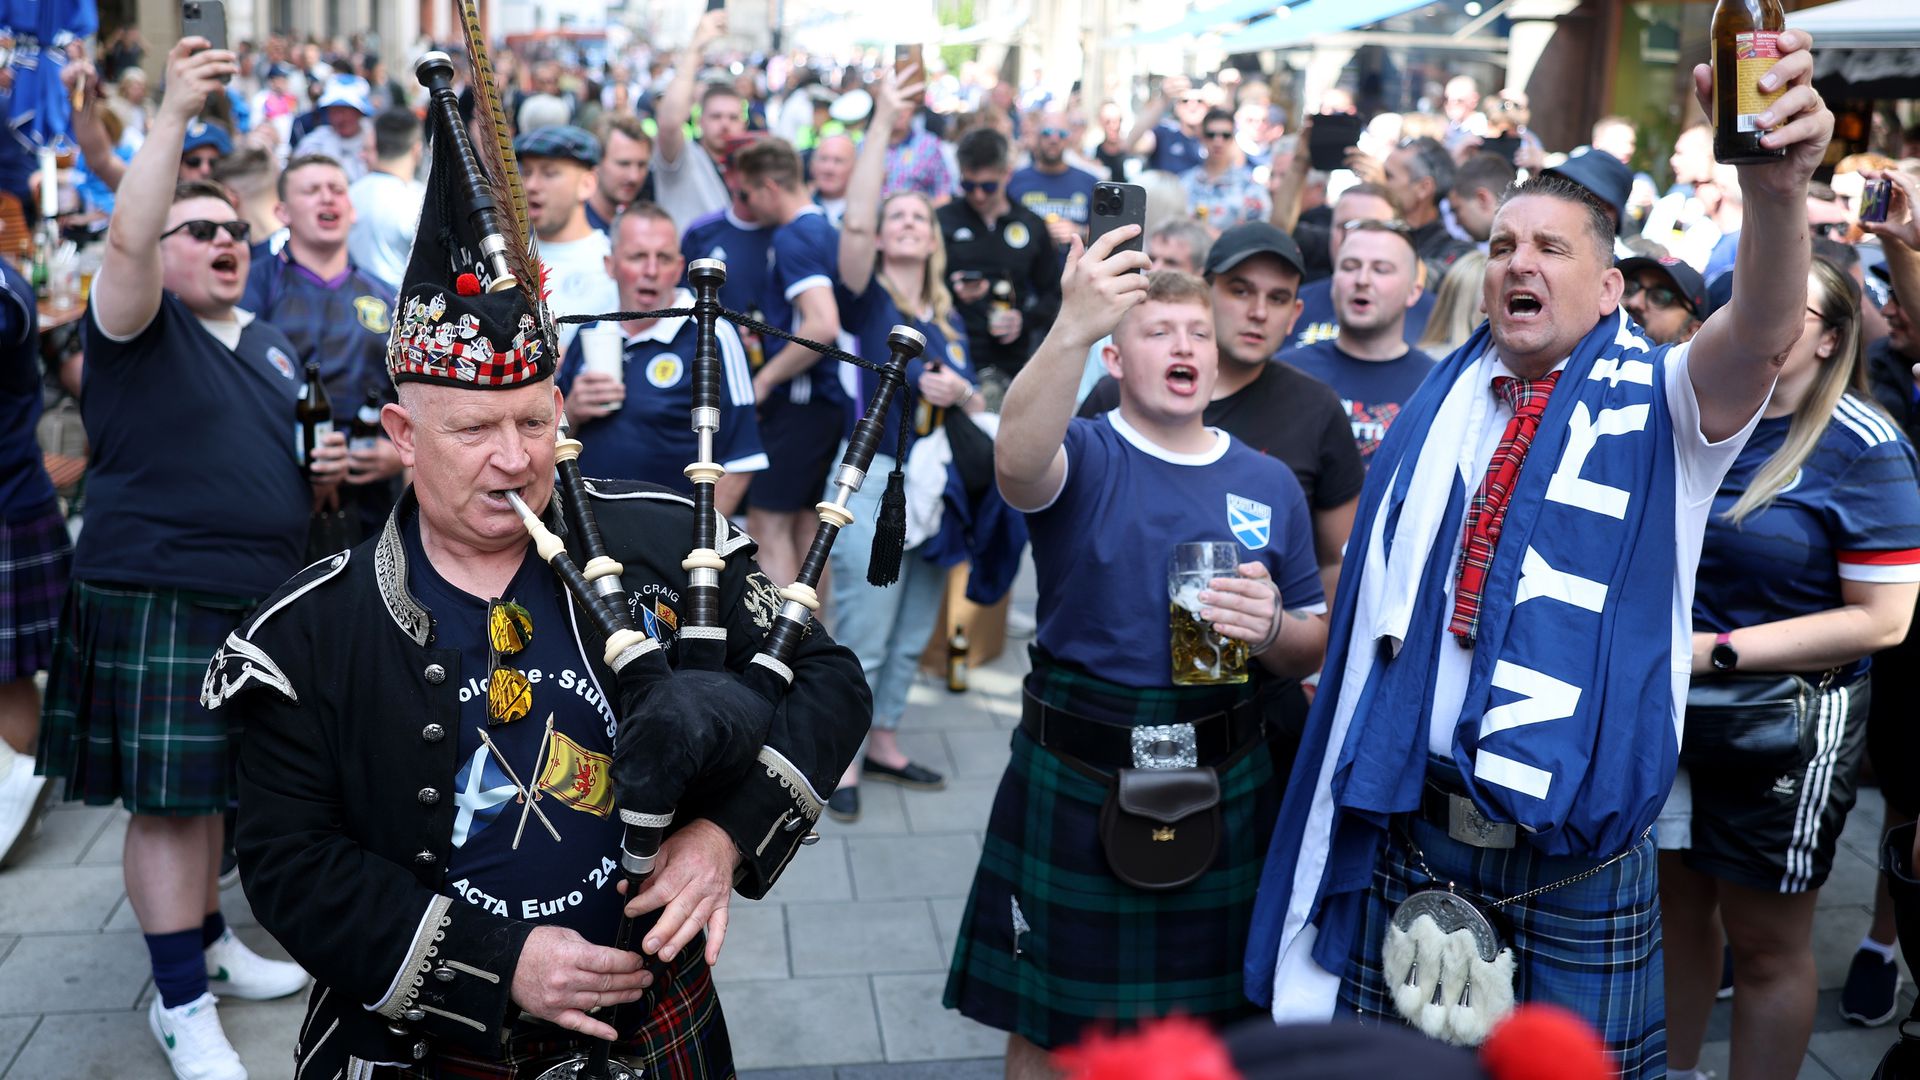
(415, 1015)
(426, 858)
(443, 973)
(436, 674)
(420, 1050)
(433, 733)
(399, 1029)
(428, 796)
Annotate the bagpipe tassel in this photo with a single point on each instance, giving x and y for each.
(890, 524)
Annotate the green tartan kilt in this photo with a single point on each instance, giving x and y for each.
(122, 718)
(1052, 944)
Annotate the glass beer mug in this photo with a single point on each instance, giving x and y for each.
(1202, 656)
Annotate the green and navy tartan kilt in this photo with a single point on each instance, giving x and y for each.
(1592, 947)
(1052, 944)
(123, 718)
(34, 560)
(682, 1037)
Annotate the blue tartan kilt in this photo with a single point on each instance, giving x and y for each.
(1592, 947)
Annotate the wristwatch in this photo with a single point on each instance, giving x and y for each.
(1724, 656)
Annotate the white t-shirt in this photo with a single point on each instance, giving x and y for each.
(1699, 467)
(689, 188)
(386, 211)
(577, 281)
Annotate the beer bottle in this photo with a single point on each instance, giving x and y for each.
(365, 432)
(1746, 43)
(1002, 295)
(926, 416)
(312, 415)
(957, 660)
(751, 342)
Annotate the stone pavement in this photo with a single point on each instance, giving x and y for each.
(836, 975)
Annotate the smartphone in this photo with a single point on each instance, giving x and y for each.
(1503, 146)
(1875, 200)
(1115, 205)
(969, 276)
(1331, 135)
(207, 19)
(716, 5)
(909, 67)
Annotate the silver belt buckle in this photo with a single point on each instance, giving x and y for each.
(1468, 825)
(1166, 746)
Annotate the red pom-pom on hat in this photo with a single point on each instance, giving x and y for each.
(1177, 1048)
(467, 285)
(1545, 1042)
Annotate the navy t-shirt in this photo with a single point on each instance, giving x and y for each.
(1852, 513)
(193, 478)
(746, 249)
(569, 882)
(1068, 194)
(868, 319)
(806, 255)
(1372, 391)
(1173, 150)
(24, 485)
(1101, 547)
(1317, 321)
(342, 325)
(650, 437)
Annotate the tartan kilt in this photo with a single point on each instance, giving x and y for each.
(683, 1037)
(35, 557)
(123, 718)
(1097, 953)
(1592, 947)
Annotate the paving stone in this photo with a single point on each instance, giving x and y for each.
(105, 849)
(992, 1068)
(61, 839)
(263, 1033)
(947, 912)
(756, 943)
(13, 1035)
(113, 1044)
(1851, 1052)
(48, 973)
(924, 744)
(822, 1072)
(1865, 825)
(796, 1022)
(915, 1027)
(818, 872)
(1852, 877)
(962, 806)
(863, 938)
(937, 708)
(46, 900)
(1836, 934)
(883, 812)
(894, 868)
(978, 755)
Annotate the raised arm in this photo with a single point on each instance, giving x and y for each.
(676, 102)
(860, 227)
(1140, 139)
(132, 264)
(88, 131)
(1900, 237)
(1737, 354)
(1029, 456)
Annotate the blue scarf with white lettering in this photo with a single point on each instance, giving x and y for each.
(1567, 725)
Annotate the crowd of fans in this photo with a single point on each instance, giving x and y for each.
(844, 201)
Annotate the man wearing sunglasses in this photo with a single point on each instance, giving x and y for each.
(197, 509)
(1665, 296)
(993, 241)
(1222, 192)
(1174, 147)
(204, 147)
(1061, 194)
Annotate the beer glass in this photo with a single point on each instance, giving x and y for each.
(1202, 656)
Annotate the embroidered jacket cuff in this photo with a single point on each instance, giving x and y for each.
(767, 815)
(456, 981)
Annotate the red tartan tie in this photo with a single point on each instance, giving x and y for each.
(1488, 510)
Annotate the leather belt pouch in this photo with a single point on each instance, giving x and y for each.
(1160, 828)
(1748, 721)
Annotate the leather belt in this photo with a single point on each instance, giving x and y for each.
(1103, 744)
(1455, 812)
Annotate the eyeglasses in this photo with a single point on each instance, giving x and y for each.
(1053, 133)
(1392, 225)
(509, 630)
(984, 187)
(1219, 134)
(200, 161)
(1659, 296)
(203, 230)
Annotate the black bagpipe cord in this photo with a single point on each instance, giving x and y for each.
(890, 523)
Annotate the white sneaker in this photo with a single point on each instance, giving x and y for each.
(22, 796)
(196, 1047)
(237, 971)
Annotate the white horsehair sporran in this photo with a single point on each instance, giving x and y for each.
(1448, 969)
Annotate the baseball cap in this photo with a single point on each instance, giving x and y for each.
(559, 141)
(349, 90)
(1601, 174)
(1686, 280)
(1248, 239)
(851, 107)
(201, 134)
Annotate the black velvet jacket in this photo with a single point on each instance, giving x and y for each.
(347, 765)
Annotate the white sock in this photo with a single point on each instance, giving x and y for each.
(1885, 952)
